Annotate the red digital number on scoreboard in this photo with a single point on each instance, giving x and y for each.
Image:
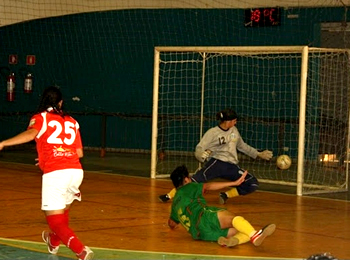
(260, 17)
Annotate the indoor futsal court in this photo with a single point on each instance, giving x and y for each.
(120, 217)
(146, 80)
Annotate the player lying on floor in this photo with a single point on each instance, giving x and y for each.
(218, 150)
(209, 223)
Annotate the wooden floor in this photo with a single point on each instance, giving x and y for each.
(123, 212)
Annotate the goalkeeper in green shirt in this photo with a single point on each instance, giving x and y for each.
(210, 223)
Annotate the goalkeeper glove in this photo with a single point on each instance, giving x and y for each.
(205, 155)
(266, 155)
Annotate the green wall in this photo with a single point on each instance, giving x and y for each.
(106, 59)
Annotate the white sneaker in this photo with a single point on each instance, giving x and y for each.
(46, 237)
(260, 235)
(228, 242)
(87, 254)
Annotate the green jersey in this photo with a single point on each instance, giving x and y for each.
(190, 208)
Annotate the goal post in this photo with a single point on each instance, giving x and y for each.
(292, 100)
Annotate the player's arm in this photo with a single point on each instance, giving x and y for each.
(203, 151)
(173, 220)
(201, 154)
(21, 138)
(79, 148)
(265, 154)
(251, 151)
(222, 185)
(172, 224)
(78, 142)
(80, 153)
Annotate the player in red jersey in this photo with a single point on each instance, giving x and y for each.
(59, 148)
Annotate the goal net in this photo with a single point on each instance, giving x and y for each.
(292, 100)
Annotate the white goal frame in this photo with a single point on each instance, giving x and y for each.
(303, 50)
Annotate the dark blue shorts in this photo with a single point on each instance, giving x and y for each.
(214, 169)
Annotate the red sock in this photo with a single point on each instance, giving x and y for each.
(54, 239)
(59, 226)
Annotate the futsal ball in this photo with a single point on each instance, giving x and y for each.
(283, 162)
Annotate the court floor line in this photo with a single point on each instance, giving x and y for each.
(18, 249)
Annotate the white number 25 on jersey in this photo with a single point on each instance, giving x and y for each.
(69, 128)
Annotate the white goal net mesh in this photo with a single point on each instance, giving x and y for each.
(263, 86)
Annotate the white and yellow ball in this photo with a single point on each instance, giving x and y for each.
(283, 162)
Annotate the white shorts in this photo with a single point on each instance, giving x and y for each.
(60, 188)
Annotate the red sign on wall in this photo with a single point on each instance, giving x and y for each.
(30, 60)
(13, 59)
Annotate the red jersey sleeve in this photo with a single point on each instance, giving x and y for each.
(36, 122)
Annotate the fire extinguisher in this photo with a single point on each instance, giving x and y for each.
(11, 87)
(28, 83)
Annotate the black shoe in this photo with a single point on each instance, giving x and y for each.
(222, 198)
(164, 198)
